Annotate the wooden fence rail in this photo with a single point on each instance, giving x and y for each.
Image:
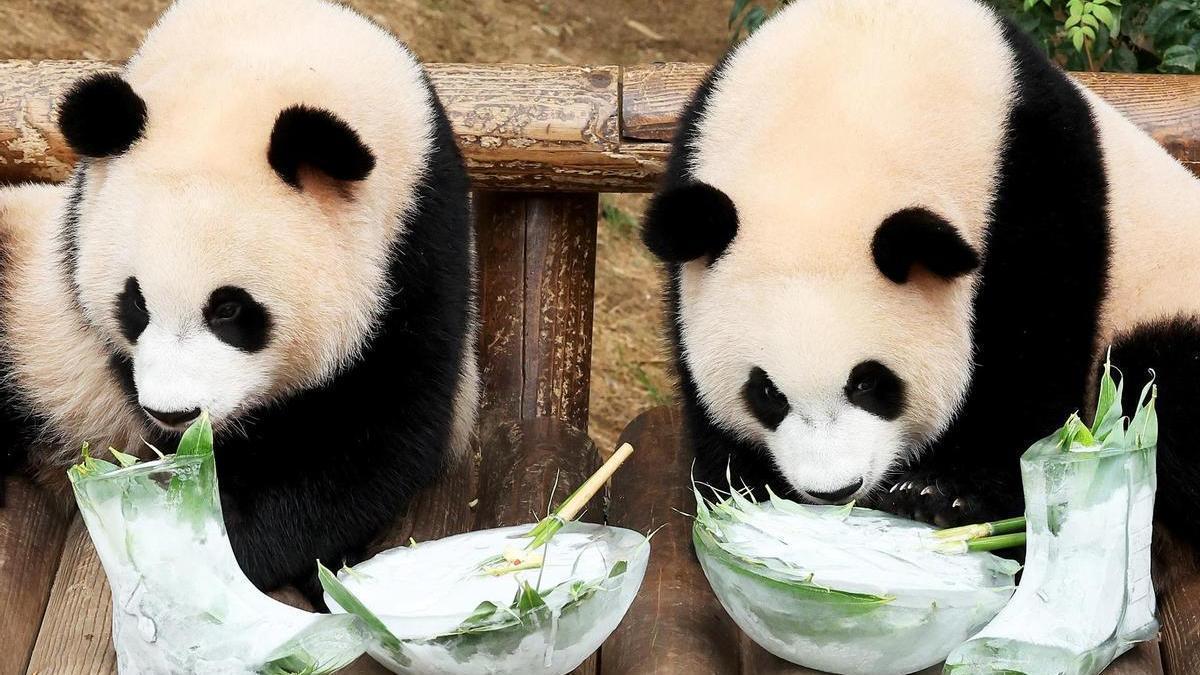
(540, 143)
(549, 128)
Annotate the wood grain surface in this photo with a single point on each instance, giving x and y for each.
(550, 128)
(33, 526)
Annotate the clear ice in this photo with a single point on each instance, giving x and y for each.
(850, 591)
(1086, 595)
(425, 596)
(181, 604)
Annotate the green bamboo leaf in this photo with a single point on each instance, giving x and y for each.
(347, 601)
(123, 459)
(198, 439)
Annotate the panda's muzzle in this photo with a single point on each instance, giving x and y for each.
(173, 419)
(836, 496)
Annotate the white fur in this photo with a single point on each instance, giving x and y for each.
(1154, 219)
(194, 205)
(813, 130)
(59, 367)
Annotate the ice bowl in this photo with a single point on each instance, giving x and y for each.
(432, 610)
(842, 589)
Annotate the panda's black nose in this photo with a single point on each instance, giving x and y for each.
(175, 418)
(838, 495)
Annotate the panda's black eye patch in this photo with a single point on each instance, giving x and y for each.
(873, 387)
(767, 403)
(237, 319)
(131, 313)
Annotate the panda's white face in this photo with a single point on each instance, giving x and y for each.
(219, 292)
(840, 377)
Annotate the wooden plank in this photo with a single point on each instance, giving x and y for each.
(520, 127)
(1144, 659)
(76, 634)
(33, 527)
(675, 624)
(1177, 582)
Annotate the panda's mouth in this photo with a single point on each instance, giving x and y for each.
(172, 420)
(840, 495)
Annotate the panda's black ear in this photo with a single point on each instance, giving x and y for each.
(320, 140)
(689, 222)
(101, 116)
(917, 236)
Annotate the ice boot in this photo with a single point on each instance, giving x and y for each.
(180, 602)
(1085, 596)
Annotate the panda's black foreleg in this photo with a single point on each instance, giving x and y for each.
(946, 495)
(1171, 349)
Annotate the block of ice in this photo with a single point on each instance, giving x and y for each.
(433, 611)
(1085, 596)
(845, 590)
(181, 604)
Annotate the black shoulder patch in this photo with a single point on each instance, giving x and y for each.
(101, 116)
(917, 236)
(690, 221)
(317, 138)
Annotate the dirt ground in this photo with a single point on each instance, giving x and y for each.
(629, 370)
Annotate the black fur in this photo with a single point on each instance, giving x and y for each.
(1042, 282)
(235, 317)
(316, 138)
(688, 222)
(918, 236)
(764, 399)
(1041, 286)
(130, 310)
(377, 431)
(876, 388)
(101, 116)
(1171, 349)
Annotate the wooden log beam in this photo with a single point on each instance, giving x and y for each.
(560, 128)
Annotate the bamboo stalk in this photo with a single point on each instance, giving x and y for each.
(996, 543)
(567, 511)
(980, 530)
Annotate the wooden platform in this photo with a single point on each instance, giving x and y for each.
(541, 142)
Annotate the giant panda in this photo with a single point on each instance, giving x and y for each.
(269, 222)
(899, 243)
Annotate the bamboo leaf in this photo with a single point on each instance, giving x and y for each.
(198, 439)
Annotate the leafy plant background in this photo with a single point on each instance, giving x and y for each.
(1129, 36)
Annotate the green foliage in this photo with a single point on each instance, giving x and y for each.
(1097, 35)
(618, 219)
(746, 17)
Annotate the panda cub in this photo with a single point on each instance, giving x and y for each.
(270, 223)
(890, 271)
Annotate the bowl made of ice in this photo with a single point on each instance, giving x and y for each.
(431, 596)
(845, 590)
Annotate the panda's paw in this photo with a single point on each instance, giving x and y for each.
(935, 499)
